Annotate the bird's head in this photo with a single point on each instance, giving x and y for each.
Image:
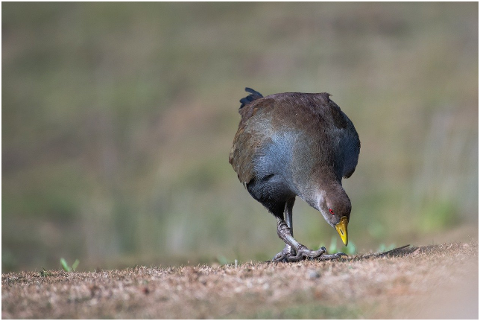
(335, 207)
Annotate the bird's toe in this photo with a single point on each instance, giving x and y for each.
(284, 255)
(331, 256)
(304, 253)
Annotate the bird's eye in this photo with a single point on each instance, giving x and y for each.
(331, 211)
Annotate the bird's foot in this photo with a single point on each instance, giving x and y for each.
(304, 253)
(283, 256)
(288, 254)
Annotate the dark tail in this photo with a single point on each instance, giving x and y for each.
(254, 95)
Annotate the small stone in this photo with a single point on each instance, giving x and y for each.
(313, 274)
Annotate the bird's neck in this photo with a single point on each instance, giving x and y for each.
(323, 186)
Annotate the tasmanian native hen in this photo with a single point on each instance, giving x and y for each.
(291, 144)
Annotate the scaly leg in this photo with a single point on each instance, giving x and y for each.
(301, 251)
(287, 251)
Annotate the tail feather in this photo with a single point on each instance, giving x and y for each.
(253, 96)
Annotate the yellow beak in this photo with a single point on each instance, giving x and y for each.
(341, 228)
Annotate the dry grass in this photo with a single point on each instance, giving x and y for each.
(413, 282)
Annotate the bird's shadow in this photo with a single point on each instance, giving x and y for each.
(399, 252)
(396, 252)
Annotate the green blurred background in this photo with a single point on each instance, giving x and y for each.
(118, 119)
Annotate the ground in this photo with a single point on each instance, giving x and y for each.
(436, 281)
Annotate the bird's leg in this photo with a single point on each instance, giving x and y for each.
(301, 251)
(289, 219)
(287, 250)
(285, 233)
(293, 250)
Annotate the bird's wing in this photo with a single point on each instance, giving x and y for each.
(249, 138)
(349, 145)
(351, 149)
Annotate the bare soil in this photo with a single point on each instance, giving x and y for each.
(438, 281)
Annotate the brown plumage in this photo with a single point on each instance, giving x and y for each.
(296, 144)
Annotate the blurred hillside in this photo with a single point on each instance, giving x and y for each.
(118, 120)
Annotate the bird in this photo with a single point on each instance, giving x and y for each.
(296, 144)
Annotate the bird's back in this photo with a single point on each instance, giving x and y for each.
(293, 135)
